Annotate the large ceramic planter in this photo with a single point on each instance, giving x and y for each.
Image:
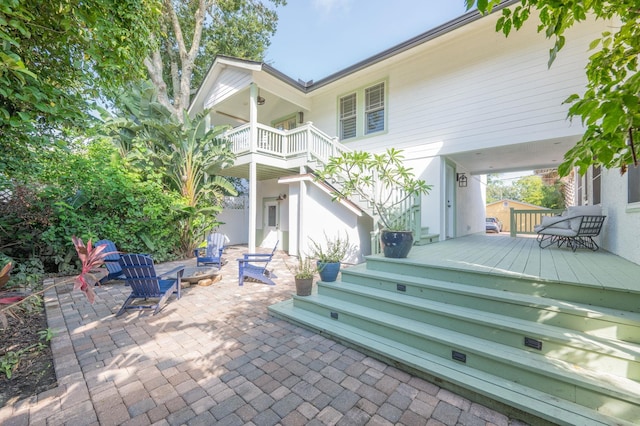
(303, 286)
(396, 244)
(328, 271)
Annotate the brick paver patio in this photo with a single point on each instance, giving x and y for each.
(217, 357)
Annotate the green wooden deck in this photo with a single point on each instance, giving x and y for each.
(521, 257)
(551, 333)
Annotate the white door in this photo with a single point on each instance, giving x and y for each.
(271, 224)
(450, 195)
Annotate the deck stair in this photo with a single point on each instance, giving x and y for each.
(542, 350)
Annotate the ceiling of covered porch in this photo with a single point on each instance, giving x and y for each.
(264, 171)
(510, 158)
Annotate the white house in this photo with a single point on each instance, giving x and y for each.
(458, 99)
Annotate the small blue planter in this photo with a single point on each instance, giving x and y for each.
(328, 271)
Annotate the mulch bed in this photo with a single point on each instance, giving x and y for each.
(35, 372)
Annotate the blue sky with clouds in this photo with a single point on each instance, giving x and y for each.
(316, 38)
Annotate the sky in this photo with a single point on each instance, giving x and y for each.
(316, 38)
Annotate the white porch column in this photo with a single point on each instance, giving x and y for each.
(253, 172)
(302, 195)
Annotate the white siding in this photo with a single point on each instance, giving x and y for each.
(322, 216)
(472, 89)
(230, 82)
(621, 232)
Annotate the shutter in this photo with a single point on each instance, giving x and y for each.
(348, 116)
(374, 108)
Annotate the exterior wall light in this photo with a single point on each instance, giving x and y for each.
(462, 180)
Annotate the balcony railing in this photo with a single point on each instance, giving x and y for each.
(305, 140)
(523, 221)
(317, 147)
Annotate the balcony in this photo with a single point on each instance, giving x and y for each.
(284, 149)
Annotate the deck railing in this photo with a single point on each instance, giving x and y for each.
(523, 221)
(305, 140)
(310, 142)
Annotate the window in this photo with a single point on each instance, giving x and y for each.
(633, 184)
(580, 190)
(374, 108)
(271, 218)
(363, 112)
(348, 117)
(597, 172)
(286, 124)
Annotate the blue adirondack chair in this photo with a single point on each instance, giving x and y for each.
(140, 274)
(112, 262)
(212, 254)
(254, 266)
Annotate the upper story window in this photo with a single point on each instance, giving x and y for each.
(363, 112)
(348, 116)
(374, 108)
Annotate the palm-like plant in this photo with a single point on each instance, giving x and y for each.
(187, 153)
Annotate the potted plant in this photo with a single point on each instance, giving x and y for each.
(383, 183)
(330, 256)
(304, 272)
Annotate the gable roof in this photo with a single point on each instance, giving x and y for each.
(309, 86)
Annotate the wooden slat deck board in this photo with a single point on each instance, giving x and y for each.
(522, 256)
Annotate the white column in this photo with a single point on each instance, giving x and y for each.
(253, 172)
(302, 195)
(253, 205)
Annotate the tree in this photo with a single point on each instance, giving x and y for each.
(609, 107)
(497, 190)
(54, 55)
(528, 189)
(192, 32)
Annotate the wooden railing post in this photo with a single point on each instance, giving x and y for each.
(512, 222)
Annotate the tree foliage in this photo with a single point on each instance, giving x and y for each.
(86, 191)
(184, 155)
(527, 189)
(192, 32)
(54, 55)
(609, 107)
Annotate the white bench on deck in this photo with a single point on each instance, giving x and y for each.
(576, 227)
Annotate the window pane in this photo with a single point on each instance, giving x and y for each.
(633, 183)
(580, 188)
(348, 106)
(374, 97)
(374, 108)
(348, 117)
(375, 121)
(348, 128)
(596, 185)
(272, 216)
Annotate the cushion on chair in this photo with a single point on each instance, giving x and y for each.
(576, 211)
(554, 222)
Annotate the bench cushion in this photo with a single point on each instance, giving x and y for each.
(574, 211)
(554, 222)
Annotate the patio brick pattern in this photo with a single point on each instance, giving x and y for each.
(217, 357)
